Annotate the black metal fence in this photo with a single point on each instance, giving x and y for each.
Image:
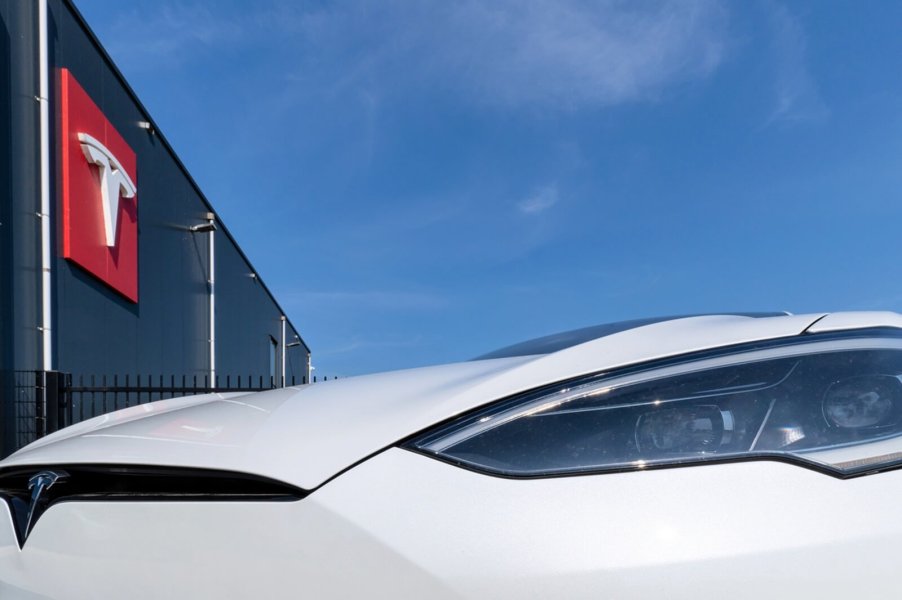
(87, 397)
(27, 390)
(46, 401)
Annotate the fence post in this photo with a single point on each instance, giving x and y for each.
(70, 401)
(40, 404)
(53, 400)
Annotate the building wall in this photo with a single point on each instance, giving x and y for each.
(5, 208)
(97, 331)
(19, 233)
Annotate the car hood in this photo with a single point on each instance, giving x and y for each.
(306, 435)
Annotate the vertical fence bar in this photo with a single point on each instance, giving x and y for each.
(40, 404)
(102, 396)
(71, 410)
(52, 400)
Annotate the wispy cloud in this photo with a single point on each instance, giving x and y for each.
(539, 202)
(365, 300)
(561, 54)
(170, 34)
(796, 92)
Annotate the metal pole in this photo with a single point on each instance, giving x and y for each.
(210, 227)
(43, 99)
(283, 351)
(212, 282)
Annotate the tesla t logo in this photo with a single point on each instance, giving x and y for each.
(99, 192)
(36, 485)
(114, 181)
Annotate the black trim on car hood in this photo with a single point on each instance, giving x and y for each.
(29, 490)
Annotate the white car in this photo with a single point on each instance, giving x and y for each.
(707, 457)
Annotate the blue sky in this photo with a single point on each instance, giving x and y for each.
(421, 182)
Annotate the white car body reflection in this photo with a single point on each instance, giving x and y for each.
(400, 485)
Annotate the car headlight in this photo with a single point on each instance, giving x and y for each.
(831, 402)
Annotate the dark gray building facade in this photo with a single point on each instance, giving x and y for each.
(167, 294)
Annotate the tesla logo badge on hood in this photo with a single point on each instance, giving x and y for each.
(37, 485)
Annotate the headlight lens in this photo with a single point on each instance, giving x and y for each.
(834, 404)
(865, 401)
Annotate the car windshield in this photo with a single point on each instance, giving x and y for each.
(574, 337)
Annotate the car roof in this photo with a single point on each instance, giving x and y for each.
(309, 434)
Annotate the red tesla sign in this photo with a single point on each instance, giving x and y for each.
(99, 190)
